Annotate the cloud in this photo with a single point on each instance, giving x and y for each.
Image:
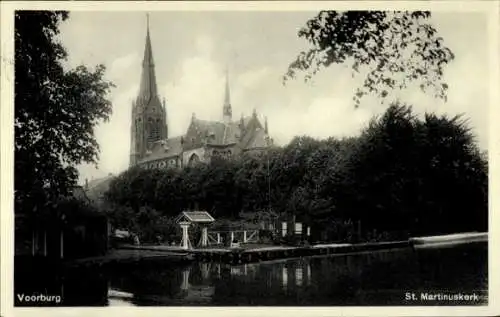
(126, 64)
(253, 78)
(197, 89)
(322, 117)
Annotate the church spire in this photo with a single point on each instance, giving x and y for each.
(148, 88)
(227, 111)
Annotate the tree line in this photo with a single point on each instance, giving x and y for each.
(403, 175)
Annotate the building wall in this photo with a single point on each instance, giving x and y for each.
(200, 152)
(170, 162)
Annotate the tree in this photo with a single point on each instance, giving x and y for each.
(56, 111)
(394, 48)
(421, 176)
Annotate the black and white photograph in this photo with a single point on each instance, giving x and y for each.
(248, 155)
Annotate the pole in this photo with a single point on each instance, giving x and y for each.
(268, 177)
(62, 244)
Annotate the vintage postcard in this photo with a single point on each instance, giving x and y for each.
(250, 158)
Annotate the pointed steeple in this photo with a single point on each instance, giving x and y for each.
(265, 126)
(148, 88)
(227, 111)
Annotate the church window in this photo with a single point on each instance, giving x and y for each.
(154, 130)
(163, 164)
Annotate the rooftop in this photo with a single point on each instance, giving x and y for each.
(195, 216)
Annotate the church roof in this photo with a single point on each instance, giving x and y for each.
(213, 130)
(216, 133)
(258, 139)
(165, 148)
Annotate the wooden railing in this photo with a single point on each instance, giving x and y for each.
(242, 236)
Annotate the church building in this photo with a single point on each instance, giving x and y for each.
(152, 147)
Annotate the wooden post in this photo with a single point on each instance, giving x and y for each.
(218, 237)
(62, 244)
(45, 243)
(185, 234)
(33, 242)
(244, 236)
(204, 236)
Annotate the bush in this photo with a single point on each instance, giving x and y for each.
(266, 236)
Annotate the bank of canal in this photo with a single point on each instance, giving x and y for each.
(266, 253)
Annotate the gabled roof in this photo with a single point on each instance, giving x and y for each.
(195, 216)
(212, 130)
(258, 140)
(165, 149)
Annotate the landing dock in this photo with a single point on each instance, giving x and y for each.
(240, 255)
(247, 255)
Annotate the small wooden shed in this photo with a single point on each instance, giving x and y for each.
(186, 219)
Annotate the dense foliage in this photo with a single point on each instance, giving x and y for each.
(56, 110)
(402, 175)
(394, 49)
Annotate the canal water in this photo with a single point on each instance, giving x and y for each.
(394, 277)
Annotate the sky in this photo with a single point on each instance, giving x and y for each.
(192, 50)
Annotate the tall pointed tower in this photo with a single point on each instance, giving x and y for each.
(227, 111)
(148, 123)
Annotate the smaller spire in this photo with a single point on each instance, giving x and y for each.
(265, 125)
(193, 116)
(227, 111)
(254, 113)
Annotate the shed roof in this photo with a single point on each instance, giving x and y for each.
(195, 216)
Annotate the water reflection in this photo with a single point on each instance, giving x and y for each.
(372, 278)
